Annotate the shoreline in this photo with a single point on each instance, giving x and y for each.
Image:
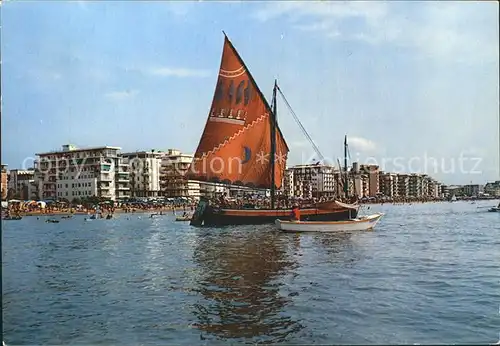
(117, 211)
(169, 209)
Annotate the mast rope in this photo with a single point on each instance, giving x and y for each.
(316, 149)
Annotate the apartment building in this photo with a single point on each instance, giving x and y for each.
(21, 184)
(4, 181)
(388, 184)
(492, 188)
(287, 184)
(173, 181)
(403, 185)
(371, 186)
(309, 181)
(75, 173)
(473, 190)
(415, 185)
(434, 189)
(144, 168)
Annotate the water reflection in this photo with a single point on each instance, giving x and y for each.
(240, 282)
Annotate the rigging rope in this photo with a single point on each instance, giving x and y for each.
(316, 149)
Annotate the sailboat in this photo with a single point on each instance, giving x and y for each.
(242, 144)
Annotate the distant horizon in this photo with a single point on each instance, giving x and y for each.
(406, 81)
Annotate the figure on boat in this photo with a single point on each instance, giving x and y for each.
(242, 144)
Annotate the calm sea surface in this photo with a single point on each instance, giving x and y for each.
(429, 273)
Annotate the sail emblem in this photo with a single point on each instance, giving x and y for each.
(247, 154)
(232, 74)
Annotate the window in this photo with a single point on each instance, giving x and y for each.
(66, 185)
(66, 193)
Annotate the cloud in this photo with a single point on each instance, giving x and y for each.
(434, 29)
(362, 144)
(121, 95)
(179, 72)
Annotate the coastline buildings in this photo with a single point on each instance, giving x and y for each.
(365, 181)
(21, 184)
(73, 173)
(144, 173)
(3, 181)
(492, 188)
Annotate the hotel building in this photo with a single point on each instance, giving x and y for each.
(144, 168)
(173, 181)
(310, 181)
(75, 173)
(21, 184)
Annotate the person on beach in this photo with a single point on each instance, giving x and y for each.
(295, 213)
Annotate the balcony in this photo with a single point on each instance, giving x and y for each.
(105, 178)
(123, 188)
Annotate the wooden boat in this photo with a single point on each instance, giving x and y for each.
(183, 218)
(242, 144)
(363, 223)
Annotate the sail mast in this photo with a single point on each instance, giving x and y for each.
(345, 167)
(273, 120)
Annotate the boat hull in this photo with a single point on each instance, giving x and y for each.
(183, 218)
(214, 217)
(361, 224)
(494, 210)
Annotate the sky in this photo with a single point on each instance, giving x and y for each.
(414, 85)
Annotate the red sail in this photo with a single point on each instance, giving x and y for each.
(236, 142)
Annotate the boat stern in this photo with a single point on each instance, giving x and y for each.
(198, 217)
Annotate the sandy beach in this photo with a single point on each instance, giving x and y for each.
(116, 211)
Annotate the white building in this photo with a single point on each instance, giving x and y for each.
(209, 189)
(173, 181)
(144, 168)
(74, 173)
(21, 184)
(287, 187)
(309, 181)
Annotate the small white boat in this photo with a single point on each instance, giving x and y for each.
(183, 218)
(362, 223)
